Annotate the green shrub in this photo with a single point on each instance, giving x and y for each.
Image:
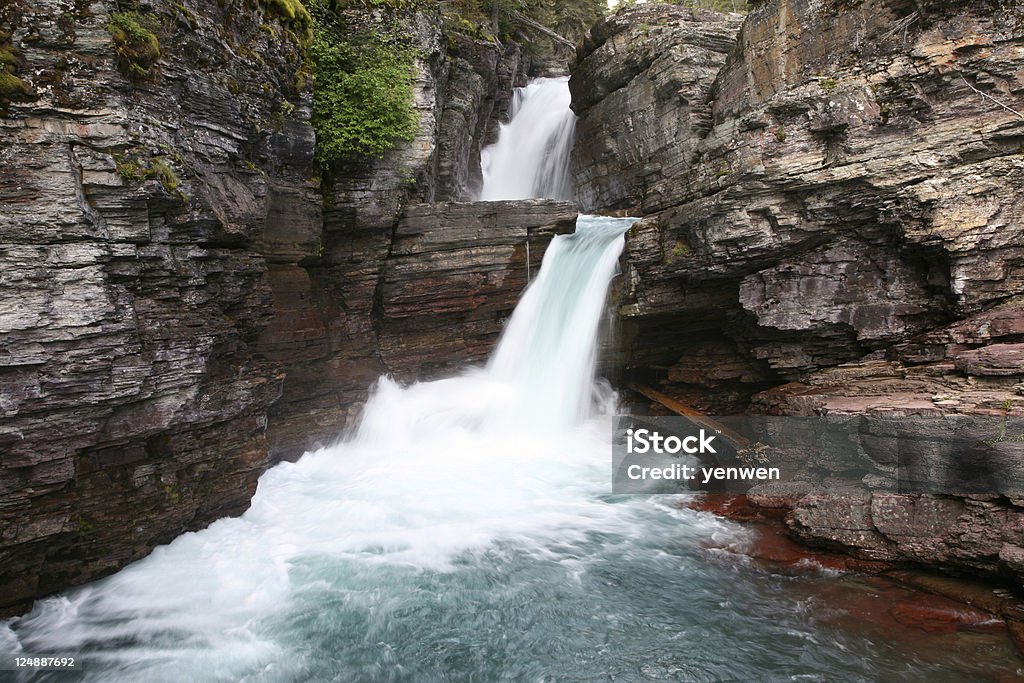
(135, 42)
(363, 99)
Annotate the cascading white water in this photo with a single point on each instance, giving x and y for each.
(531, 157)
(434, 471)
(548, 349)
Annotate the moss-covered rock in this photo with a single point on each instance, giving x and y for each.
(13, 88)
(136, 42)
(294, 15)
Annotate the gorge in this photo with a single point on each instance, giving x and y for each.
(829, 211)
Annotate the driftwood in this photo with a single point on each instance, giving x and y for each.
(738, 441)
(537, 26)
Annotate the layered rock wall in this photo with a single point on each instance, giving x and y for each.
(133, 213)
(454, 276)
(834, 222)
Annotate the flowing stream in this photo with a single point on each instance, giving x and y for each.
(465, 532)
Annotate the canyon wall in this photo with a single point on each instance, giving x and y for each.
(833, 223)
(186, 298)
(329, 323)
(134, 205)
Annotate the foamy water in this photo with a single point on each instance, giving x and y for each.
(531, 157)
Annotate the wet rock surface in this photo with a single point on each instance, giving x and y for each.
(834, 224)
(453, 277)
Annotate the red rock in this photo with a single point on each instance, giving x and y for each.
(1016, 629)
(939, 615)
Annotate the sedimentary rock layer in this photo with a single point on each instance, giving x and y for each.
(134, 205)
(454, 275)
(834, 220)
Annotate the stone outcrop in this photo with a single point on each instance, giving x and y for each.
(834, 222)
(640, 87)
(454, 275)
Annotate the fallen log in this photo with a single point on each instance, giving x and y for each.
(537, 26)
(738, 441)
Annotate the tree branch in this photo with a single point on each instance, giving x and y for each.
(989, 97)
(536, 25)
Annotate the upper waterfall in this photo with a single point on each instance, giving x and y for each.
(531, 157)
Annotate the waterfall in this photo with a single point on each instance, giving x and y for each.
(434, 474)
(465, 531)
(549, 345)
(531, 157)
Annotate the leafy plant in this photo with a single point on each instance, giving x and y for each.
(363, 100)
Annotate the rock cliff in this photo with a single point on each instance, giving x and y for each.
(184, 302)
(834, 222)
(134, 205)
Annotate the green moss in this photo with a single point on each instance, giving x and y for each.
(828, 84)
(129, 169)
(8, 57)
(12, 88)
(294, 15)
(780, 133)
(885, 112)
(681, 249)
(135, 41)
(172, 493)
(85, 529)
(187, 14)
(134, 169)
(160, 170)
